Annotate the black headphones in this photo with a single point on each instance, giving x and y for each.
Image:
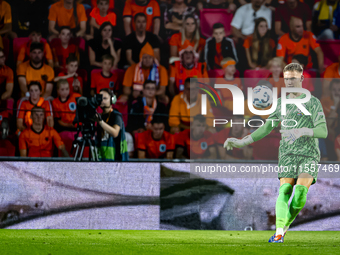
(113, 98)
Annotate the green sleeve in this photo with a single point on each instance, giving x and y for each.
(320, 131)
(264, 130)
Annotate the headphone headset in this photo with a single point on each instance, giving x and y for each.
(113, 97)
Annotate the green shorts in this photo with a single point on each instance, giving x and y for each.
(291, 166)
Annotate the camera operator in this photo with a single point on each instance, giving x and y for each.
(111, 141)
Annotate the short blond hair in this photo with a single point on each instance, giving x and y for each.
(276, 60)
(293, 67)
(60, 82)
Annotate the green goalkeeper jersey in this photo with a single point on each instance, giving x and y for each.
(303, 146)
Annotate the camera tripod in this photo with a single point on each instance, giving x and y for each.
(87, 140)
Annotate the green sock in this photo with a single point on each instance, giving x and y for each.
(281, 207)
(298, 202)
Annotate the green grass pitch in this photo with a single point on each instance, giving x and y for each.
(99, 242)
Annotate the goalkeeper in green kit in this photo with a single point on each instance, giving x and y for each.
(299, 151)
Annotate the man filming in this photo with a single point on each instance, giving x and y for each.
(111, 141)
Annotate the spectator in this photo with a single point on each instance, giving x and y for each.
(63, 48)
(276, 66)
(292, 8)
(5, 21)
(25, 106)
(243, 23)
(185, 105)
(6, 84)
(38, 140)
(173, 16)
(228, 66)
(24, 51)
(74, 80)
(104, 79)
(297, 42)
(337, 147)
(143, 110)
(236, 130)
(111, 4)
(67, 13)
(156, 142)
(136, 40)
(259, 46)
(64, 107)
(196, 142)
(147, 69)
(101, 14)
(64, 110)
(324, 12)
(29, 15)
(331, 107)
(187, 66)
(104, 44)
(219, 47)
(149, 7)
(188, 36)
(332, 71)
(6, 146)
(307, 78)
(112, 145)
(35, 70)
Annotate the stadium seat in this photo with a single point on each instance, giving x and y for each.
(252, 77)
(218, 73)
(331, 51)
(18, 42)
(209, 17)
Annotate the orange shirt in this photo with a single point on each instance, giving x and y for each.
(110, 17)
(308, 81)
(5, 14)
(24, 51)
(332, 71)
(111, 4)
(25, 106)
(99, 81)
(66, 111)
(195, 149)
(227, 97)
(70, 81)
(218, 56)
(44, 74)
(219, 139)
(64, 17)
(287, 48)
(277, 84)
(151, 10)
(130, 76)
(176, 40)
(182, 112)
(39, 144)
(180, 73)
(326, 102)
(6, 75)
(61, 54)
(155, 148)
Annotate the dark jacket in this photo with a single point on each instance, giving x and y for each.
(228, 50)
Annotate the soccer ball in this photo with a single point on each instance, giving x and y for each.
(262, 96)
